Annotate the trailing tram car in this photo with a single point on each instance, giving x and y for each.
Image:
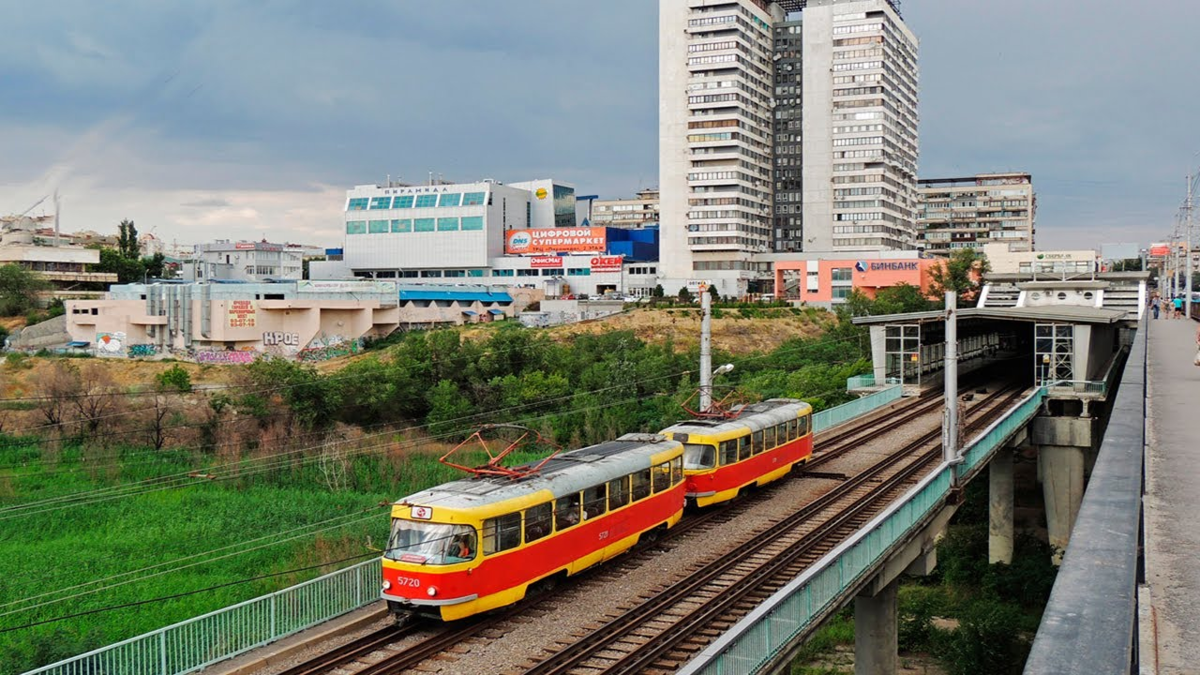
(477, 544)
(757, 444)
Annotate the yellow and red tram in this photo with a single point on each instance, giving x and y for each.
(477, 544)
(759, 443)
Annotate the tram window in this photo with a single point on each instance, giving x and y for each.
(781, 433)
(677, 471)
(593, 502)
(662, 477)
(729, 452)
(501, 534)
(566, 511)
(769, 438)
(757, 445)
(699, 456)
(618, 493)
(537, 521)
(744, 447)
(641, 484)
(804, 425)
(791, 430)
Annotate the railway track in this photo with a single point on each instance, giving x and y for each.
(666, 629)
(362, 656)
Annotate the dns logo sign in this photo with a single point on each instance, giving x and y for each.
(519, 241)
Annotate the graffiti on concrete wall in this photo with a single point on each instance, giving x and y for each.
(328, 347)
(225, 357)
(141, 351)
(110, 344)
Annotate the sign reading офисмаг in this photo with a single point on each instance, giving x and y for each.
(554, 240)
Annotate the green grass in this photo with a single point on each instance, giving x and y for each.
(59, 551)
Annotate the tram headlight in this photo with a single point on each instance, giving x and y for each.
(386, 584)
(432, 591)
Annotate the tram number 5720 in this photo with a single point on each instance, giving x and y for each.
(408, 581)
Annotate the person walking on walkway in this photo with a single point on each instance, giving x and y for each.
(1154, 307)
(1178, 307)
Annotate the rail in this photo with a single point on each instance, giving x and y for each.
(1093, 607)
(767, 632)
(216, 636)
(832, 417)
(225, 633)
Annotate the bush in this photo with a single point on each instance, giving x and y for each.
(988, 640)
(176, 377)
(17, 360)
(918, 606)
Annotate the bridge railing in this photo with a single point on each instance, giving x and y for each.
(831, 417)
(865, 381)
(1090, 621)
(769, 630)
(216, 636)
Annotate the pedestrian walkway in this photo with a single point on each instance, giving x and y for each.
(1172, 502)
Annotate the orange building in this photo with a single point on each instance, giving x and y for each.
(830, 281)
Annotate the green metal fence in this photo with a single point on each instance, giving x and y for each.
(865, 381)
(216, 636)
(827, 419)
(756, 640)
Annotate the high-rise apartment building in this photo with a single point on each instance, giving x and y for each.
(779, 135)
(857, 103)
(627, 214)
(977, 210)
(716, 88)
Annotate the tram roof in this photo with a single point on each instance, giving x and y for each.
(564, 474)
(1054, 313)
(755, 415)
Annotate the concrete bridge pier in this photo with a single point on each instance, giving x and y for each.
(876, 616)
(1000, 507)
(1062, 490)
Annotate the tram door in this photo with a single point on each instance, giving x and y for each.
(902, 352)
(1053, 353)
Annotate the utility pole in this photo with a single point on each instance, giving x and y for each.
(950, 418)
(1187, 299)
(705, 348)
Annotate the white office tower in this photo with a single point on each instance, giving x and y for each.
(858, 130)
(715, 140)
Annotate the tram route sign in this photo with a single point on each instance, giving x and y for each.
(421, 513)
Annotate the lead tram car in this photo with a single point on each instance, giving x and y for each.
(480, 543)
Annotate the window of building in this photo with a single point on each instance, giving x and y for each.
(352, 227)
(431, 274)
(472, 223)
(426, 201)
(842, 274)
(503, 273)
(842, 292)
(550, 272)
(450, 199)
(402, 225)
(528, 215)
(455, 274)
(381, 203)
(377, 226)
(447, 224)
(402, 202)
(579, 272)
(424, 225)
(474, 273)
(473, 199)
(527, 273)
(358, 204)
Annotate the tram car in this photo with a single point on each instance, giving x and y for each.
(480, 543)
(754, 445)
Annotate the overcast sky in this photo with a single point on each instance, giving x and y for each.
(246, 119)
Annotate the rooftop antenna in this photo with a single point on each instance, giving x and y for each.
(430, 178)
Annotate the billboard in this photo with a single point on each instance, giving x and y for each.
(554, 240)
(538, 262)
(242, 313)
(1160, 250)
(605, 263)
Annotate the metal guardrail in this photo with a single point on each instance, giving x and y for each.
(865, 381)
(764, 634)
(1090, 622)
(1080, 386)
(216, 636)
(831, 417)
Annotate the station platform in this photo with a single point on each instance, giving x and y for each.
(1172, 500)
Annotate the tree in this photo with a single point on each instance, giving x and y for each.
(716, 295)
(658, 292)
(685, 295)
(175, 378)
(128, 270)
(57, 391)
(963, 273)
(127, 240)
(99, 396)
(19, 289)
(152, 266)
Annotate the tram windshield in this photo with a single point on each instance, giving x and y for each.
(699, 456)
(430, 543)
